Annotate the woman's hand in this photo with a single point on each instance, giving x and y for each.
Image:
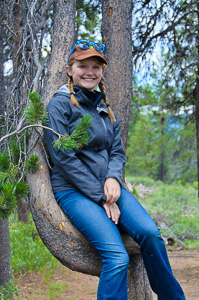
(112, 190)
(112, 211)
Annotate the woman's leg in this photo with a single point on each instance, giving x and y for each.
(91, 220)
(135, 221)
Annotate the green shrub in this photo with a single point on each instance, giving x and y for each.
(167, 198)
(178, 205)
(8, 290)
(184, 223)
(27, 249)
(147, 181)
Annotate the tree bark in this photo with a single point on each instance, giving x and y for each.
(138, 283)
(68, 245)
(117, 36)
(56, 230)
(62, 42)
(5, 275)
(2, 89)
(17, 37)
(197, 100)
(23, 210)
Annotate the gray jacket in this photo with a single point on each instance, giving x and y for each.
(86, 169)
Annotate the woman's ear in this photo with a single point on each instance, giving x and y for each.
(68, 70)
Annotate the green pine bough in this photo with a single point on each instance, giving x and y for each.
(78, 137)
(35, 112)
(11, 191)
(12, 184)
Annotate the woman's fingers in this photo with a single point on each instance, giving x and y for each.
(112, 190)
(112, 211)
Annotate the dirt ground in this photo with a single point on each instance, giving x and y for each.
(65, 284)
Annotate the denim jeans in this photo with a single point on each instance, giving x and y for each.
(91, 220)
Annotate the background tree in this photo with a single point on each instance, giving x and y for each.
(2, 88)
(26, 34)
(20, 24)
(174, 25)
(5, 275)
(117, 36)
(159, 138)
(88, 20)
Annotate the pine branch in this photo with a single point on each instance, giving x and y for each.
(12, 190)
(36, 112)
(17, 132)
(78, 138)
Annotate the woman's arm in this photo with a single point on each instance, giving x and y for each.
(117, 158)
(67, 163)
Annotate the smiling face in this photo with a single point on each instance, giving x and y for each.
(86, 73)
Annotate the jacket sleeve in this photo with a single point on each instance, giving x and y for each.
(69, 166)
(117, 157)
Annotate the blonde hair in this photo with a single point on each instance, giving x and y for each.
(101, 87)
(70, 88)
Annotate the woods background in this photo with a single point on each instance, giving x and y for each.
(152, 81)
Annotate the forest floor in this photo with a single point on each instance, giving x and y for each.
(65, 284)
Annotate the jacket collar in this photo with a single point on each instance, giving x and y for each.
(82, 96)
(92, 96)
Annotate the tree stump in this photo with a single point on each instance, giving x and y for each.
(67, 244)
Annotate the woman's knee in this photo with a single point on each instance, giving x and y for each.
(119, 260)
(150, 232)
(152, 236)
(124, 259)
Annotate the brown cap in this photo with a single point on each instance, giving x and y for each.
(80, 54)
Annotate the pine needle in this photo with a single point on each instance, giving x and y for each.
(78, 138)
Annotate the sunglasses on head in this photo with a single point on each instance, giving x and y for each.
(86, 45)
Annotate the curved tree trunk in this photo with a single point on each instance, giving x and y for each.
(68, 245)
(55, 229)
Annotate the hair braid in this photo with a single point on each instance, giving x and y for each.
(102, 89)
(70, 87)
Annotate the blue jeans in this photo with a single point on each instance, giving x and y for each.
(91, 220)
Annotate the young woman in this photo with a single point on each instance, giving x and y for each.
(87, 183)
